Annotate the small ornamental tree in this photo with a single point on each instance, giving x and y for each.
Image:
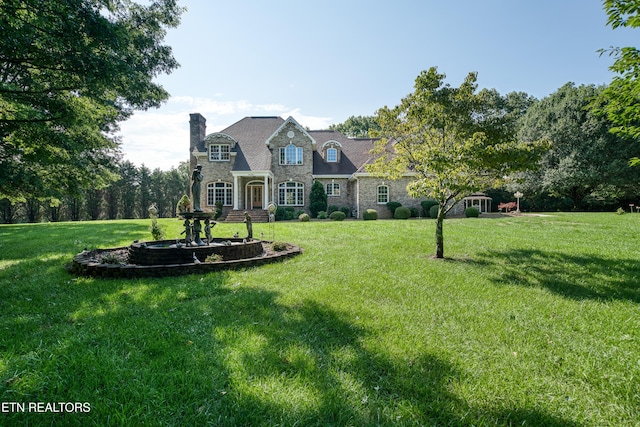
(317, 199)
(454, 141)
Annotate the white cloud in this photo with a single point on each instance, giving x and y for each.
(311, 122)
(160, 138)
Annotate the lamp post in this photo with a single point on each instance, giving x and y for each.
(517, 196)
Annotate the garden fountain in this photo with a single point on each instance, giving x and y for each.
(189, 255)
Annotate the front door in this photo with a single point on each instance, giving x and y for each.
(255, 196)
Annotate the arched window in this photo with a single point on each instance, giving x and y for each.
(331, 151)
(291, 194)
(383, 194)
(220, 192)
(291, 155)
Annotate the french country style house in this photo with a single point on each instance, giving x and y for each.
(263, 160)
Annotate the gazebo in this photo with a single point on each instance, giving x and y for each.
(478, 200)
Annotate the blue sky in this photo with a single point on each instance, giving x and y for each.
(323, 61)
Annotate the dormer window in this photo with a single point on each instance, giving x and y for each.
(332, 155)
(331, 151)
(219, 152)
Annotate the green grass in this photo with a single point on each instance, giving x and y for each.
(529, 321)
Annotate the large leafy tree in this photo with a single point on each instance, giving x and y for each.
(586, 163)
(623, 94)
(453, 141)
(357, 126)
(70, 70)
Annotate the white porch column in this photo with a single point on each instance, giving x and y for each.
(265, 197)
(235, 192)
(358, 210)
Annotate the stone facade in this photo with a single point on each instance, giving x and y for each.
(370, 188)
(288, 136)
(262, 160)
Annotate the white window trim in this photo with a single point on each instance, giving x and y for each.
(227, 189)
(335, 154)
(298, 156)
(298, 190)
(386, 187)
(333, 186)
(222, 156)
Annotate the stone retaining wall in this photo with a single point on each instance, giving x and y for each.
(84, 264)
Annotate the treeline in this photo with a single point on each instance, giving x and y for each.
(588, 166)
(130, 196)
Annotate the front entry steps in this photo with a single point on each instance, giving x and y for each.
(257, 215)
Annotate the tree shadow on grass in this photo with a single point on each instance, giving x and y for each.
(571, 276)
(209, 350)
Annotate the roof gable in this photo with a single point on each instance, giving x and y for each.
(292, 121)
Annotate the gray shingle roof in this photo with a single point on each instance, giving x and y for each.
(251, 133)
(354, 153)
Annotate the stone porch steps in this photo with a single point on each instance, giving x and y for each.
(257, 215)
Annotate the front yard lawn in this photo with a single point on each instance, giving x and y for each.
(530, 320)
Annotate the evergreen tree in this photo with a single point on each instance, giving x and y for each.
(317, 199)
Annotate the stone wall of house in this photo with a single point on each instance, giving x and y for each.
(368, 195)
(293, 173)
(347, 194)
(216, 171)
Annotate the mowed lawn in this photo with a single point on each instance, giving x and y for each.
(531, 320)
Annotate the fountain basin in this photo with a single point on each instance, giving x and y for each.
(100, 262)
(163, 252)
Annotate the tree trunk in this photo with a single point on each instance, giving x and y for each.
(439, 234)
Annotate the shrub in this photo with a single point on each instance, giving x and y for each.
(472, 212)
(280, 213)
(331, 209)
(415, 212)
(213, 258)
(322, 215)
(114, 259)
(620, 211)
(157, 230)
(426, 206)
(346, 211)
(337, 216)
(289, 213)
(304, 217)
(218, 211)
(402, 212)
(317, 199)
(298, 213)
(392, 206)
(317, 207)
(279, 246)
(183, 204)
(370, 214)
(433, 211)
